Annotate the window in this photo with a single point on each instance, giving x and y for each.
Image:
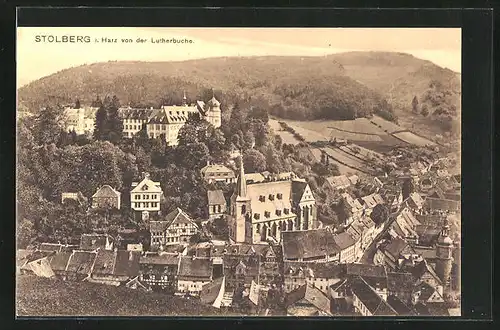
(311, 211)
(219, 208)
(213, 209)
(137, 196)
(286, 211)
(256, 216)
(243, 209)
(278, 212)
(262, 198)
(280, 196)
(267, 214)
(271, 197)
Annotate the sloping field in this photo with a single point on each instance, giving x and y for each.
(358, 125)
(341, 129)
(37, 296)
(347, 159)
(385, 124)
(387, 144)
(309, 134)
(286, 136)
(412, 138)
(366, 153)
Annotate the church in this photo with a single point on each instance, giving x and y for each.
(263, 205)
(168, 120)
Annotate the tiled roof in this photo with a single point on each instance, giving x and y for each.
(372, 301)
(135, 113)
(210, 291)
(106, 191)
(215, 168)
(298, 189)
(127, 263)
(366, 270)
(231, 262)
(307, 244)
(400, 307)
(311, 294)
(254, 178)
(104, 263)
(195, 267)
(216, 197)
(159, 259)
(426, 253)
(93, 241)
(339, 181)
(176, 216)
(427, 234)
(59, 261)
(442, 204)
(395, 247)
(353, 203)
(400, 281)
(81, 262)
(344, 240)
(147, 185)
(50, 247)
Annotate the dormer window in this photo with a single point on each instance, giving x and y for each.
(271, 197)
(267, 214)
(278, 212)
(262, 198)
(286, 211)
(280, 196)
(256, 216)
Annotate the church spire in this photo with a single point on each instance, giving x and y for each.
(184, 99)
(241, 184)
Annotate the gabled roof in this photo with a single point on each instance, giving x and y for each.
(176, 216)
(147, 185)
(312, 295)
(400, 307)
(400, 281)
(81, 262)
(339, 181)
(195, 267)
(106, 191)
(251, 263)
(210, 291)
(94, 241)
(372, 301)
(216, 197)
(215, 168)
(160, 259)
(395, 247)
(60, 260)
(344, 240)
(366, 270)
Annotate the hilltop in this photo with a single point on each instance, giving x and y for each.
(339, 86)
(38, 296)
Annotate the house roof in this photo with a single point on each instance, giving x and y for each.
(106, 191)
(210, 291)
(442, 204)
(216, 197)
(339, 181)
(127, 263)
(344, 240)
(159, 259)
(94, 241)
(250, 262)
(176, 216)
(195, 267)
(400, 281)
(372, 301)
(311, 294)
(146, 185)
(366, 270)
(308, 244)
(81, 262)
(134, 113)
(50, 247)
(395, 247)
(351, 202)
(400, 307)
(426, 252)
(419, 269)
(427, 234)
(59, 261)
(254, 178)
(212, 169)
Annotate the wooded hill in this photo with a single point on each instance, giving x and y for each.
(339, 86)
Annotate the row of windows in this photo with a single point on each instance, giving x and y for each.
(138, 197)
(146, 204)
(216, 209)
(262, 198)
(133, 127)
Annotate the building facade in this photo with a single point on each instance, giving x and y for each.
(106, 197)
(146, 195)
(262, 210)
(176, 228)
(80, 120)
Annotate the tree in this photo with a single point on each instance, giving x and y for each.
(100, 125)
(379, 214)
(47, 126)
(254, 161)
(414, 104)
(114, 122)
(77, 104)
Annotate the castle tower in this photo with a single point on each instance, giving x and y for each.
(213, 111)
(240, 209)
(444, 251)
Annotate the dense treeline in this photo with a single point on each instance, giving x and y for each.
(52, 161)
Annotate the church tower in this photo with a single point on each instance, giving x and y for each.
(213, 112)
(240, 208)
(184, 99)
(444, 252)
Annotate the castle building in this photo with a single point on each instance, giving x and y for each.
(80, 120)
(168, 120)
(261, 210)
(444, 254)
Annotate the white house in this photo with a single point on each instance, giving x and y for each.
(146, 195)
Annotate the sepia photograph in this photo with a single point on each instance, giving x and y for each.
(228, 172)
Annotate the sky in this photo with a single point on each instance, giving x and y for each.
(35, 60)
